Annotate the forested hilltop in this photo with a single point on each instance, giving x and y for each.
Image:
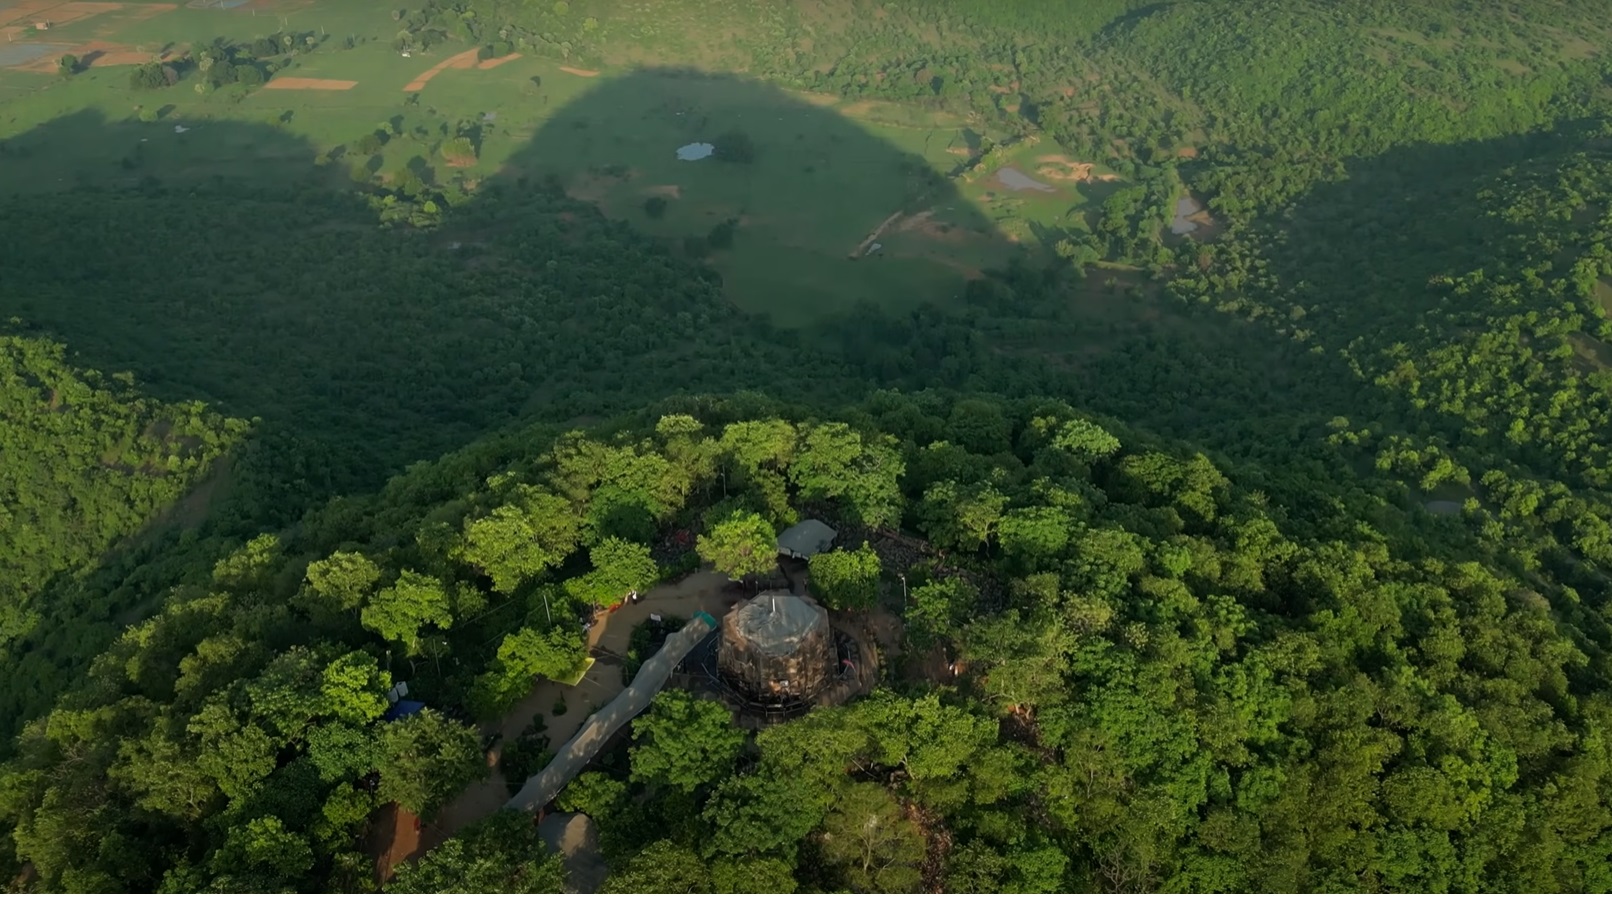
(1272, 556)
(1169, 684)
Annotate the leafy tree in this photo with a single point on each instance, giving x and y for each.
(752, 875)
(1085, 440)
(593, 794)
(262, 855)
(521, 540)
(236, 754)
(426, 759)
(761, 814)
(845, 579)
(741, 546)
(937, 609)
(165, 776)
(619, 567)
(1034, 537)
(67, 65)
(684, 743)
(415, 601)
(501, 854)
(961, 517)
(529, 654)
(354, 688)
(343, 580)
(662, 868)
(523, 657)
(835, 462)
(343, 752)
(251, 566)
(655, 206)
(876, 847)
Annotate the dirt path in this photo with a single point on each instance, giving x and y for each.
(491, 63)
(867, 242)
(579, 72)
(463, 61)
(308, 83)
(396, 839)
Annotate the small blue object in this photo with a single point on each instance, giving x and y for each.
(402, 709)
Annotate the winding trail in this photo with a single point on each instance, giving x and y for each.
(464, 60)
(399, 836)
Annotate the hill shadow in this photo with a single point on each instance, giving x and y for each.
(824, 212)
(264, 286)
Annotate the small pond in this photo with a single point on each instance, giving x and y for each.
(698, 150)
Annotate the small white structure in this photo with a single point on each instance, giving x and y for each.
(698, 150)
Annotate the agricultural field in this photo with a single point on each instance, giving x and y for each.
(838, 202)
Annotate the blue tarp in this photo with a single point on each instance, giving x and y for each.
(402, 709)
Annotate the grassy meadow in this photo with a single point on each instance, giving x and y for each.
(826, 173)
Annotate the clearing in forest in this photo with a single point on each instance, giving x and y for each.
(464, 60)
(308, 83)
(1063, 169)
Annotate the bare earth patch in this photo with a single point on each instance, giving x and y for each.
(27, 11)
(816, 99)
(394, 837)
(91, 54)
(1061, 168)
(308, 83)
(57, 14)
(1187, 153)
(118, 58)
(491, 63)
(862, 248)
(147, 10)
(579, 72)
(464, 60)
(667, 192)
(924, 223)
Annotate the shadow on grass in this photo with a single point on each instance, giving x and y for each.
(222, 264)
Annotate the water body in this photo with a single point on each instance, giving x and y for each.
(698, 150)
(1014, 178)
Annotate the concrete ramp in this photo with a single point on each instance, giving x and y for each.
(585, 745)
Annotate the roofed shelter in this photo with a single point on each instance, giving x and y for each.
(806, 538)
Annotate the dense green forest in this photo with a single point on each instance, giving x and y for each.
(1278, 558)
(1182, 688)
